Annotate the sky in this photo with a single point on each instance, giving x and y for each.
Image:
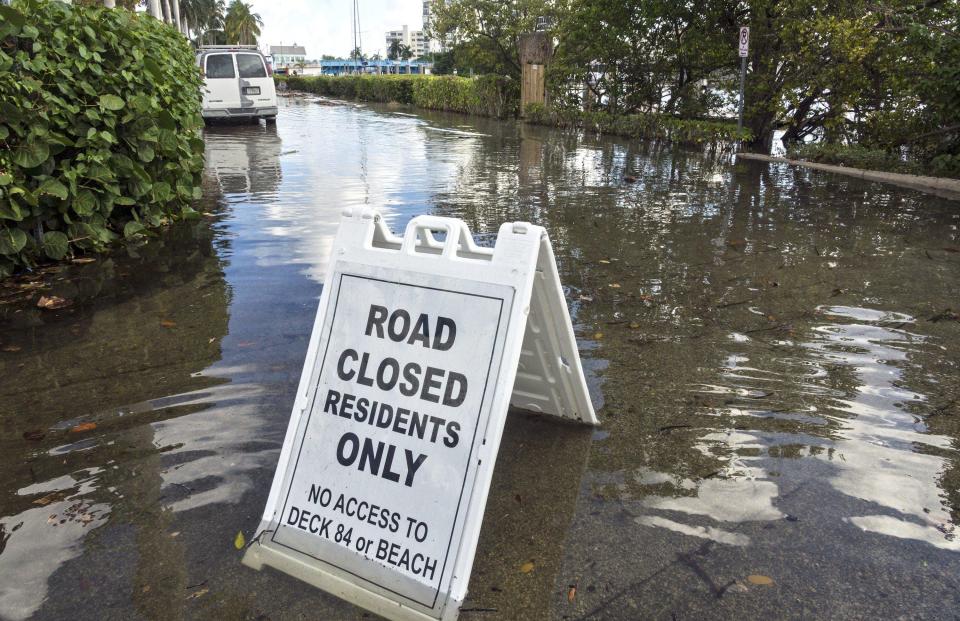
(323, 26)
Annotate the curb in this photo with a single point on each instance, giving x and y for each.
(948, 188)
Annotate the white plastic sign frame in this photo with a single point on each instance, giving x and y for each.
(495, 320)
(744, 41)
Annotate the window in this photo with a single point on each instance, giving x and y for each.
(250, 66)
(220, 66)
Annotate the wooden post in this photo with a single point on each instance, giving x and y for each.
(536, 49)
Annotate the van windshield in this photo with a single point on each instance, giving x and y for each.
(251, 66)
(220, 66)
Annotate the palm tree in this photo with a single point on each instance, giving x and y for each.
(242, 26)
(393, 52)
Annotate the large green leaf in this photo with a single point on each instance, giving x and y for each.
(12, 241)
(55, 245)
(132, 228)
(111, 102)
(54, 188)
(31, 153)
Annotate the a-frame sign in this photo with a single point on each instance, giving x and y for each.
(419, 347)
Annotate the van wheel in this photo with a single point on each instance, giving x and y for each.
(270, 119)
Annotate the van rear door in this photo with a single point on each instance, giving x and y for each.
(256, 87)
(221, 81)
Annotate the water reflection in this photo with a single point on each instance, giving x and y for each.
(776, 398)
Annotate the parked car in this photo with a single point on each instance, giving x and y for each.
(238, 83)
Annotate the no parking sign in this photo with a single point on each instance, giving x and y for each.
(419, 347)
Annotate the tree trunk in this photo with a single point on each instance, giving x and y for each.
(167, 15)
(110, 4)
(176, 14)
(153, 7)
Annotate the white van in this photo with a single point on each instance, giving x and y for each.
(238, 83)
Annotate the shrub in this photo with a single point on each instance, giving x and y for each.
(641, 126)
(484, 96)
(856, 156)
(98, 116)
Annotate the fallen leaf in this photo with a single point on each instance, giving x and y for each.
(166, 323)
(239, 541)
(34, 436)
(11, 348)
(598, 336)
(586, 298)
(46, 500)
(83, 261)
(572, 593)
(199, 593)
(634, 325)
(527, 567)
(52, 302)
(83, 427)
(760, 579)
(211, 340)
(145, 589)
(614, 285)
(604, 262)
(175, 533)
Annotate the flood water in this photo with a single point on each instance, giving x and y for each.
(769, 350)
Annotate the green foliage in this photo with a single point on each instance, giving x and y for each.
(639, 126)
(241, 25)
(485, 95)
(856, 156)
(98, 116)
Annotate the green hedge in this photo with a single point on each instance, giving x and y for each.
(98, 116)
(642, 126)
(484, 95)
(866, 158)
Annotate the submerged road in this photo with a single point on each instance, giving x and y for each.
(773, 354)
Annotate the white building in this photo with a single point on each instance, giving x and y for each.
(434, 45)
(288, 55)
(414, 39)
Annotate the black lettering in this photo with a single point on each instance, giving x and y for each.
(346, 408)
(351, 443)
(436, 421)
(314, 494)
(418, 424)
(341, 371)
(389, 474)
(460, 381)
(411, 376)
(363, 379)
(441, 341)
(362, 411)
(386, 415)
(294, 515)
(333, 397)
(453, 436)
(430, 383)
(400, 420)
(378, 314)
(371, 457)
(412, 466)
(421, 331)
(388, 364)
(397, 335)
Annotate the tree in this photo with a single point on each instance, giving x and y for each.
(393, 52)
(486, 32)
(357, 54)
(242, 26)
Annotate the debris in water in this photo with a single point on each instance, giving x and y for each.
(598, 336)
(52, 302)
(760, 579)
(527, 567)
(34, 436)
(614, 285)
(83, 260)
(572, 593)
(166, 323)
(83, 427)
(199, 593)
(239, 541)
(946, 315)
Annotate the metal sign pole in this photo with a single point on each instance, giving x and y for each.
(744, 48)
